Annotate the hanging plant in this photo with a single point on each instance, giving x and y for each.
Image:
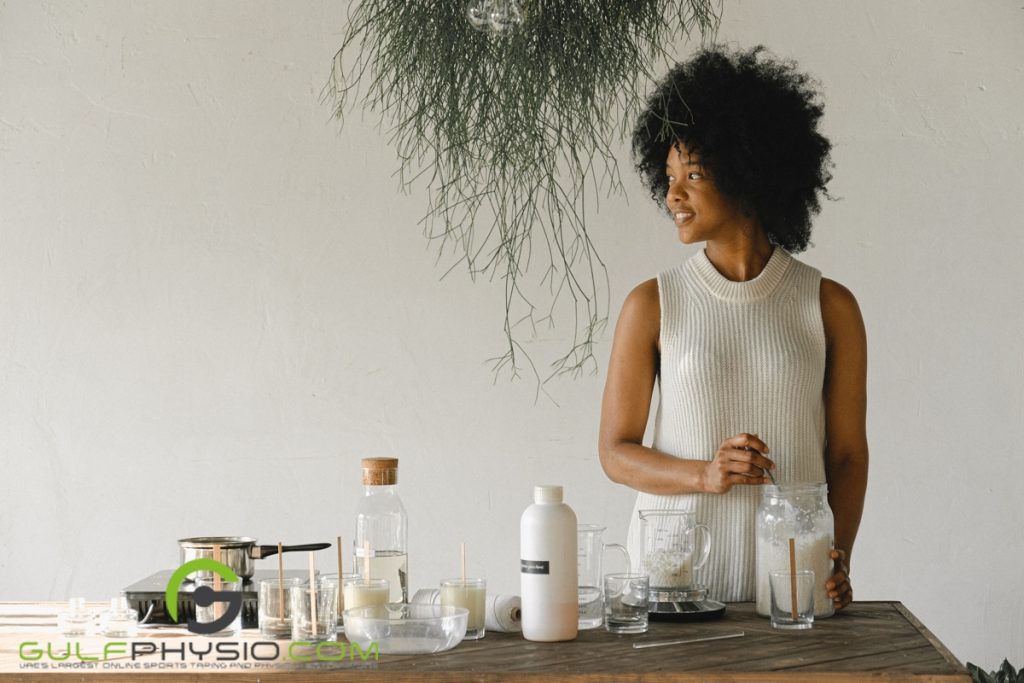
(508, 110)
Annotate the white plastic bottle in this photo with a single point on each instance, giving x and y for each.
(547, 543)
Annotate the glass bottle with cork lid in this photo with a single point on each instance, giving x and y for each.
(382, 528)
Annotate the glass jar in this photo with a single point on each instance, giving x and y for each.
(382, 528)
(77, 619)
(801, 512)
(120, 621)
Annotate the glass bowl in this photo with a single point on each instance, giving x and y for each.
(406, 629)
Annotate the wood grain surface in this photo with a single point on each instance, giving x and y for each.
(869, 641)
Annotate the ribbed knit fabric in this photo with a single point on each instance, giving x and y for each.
(738, 357)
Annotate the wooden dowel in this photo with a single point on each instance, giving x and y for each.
(312, 594)
(792, 578)
(280, 581)
(217, 581)
(340, 563)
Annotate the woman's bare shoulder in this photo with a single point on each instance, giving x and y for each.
(645, 294)
(840, 311)
(641, 311)
(644, 300)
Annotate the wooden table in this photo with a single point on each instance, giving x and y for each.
(878, 641)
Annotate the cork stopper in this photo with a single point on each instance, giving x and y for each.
(380, 471)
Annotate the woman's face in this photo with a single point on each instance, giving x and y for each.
(699, 210)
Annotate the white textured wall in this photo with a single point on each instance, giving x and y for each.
(212, 305)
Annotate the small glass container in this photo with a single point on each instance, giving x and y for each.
(360, 592)
(315, 611)
(226, 599)
(625, 603)
(786, 586)
(120, 621)
(471, 594)
(341, 594)
(76, 620)
(274, 608)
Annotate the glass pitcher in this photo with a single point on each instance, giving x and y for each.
(800, 512)
(670, 552)
(589, 565)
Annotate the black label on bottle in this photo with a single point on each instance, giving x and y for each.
(533, 567)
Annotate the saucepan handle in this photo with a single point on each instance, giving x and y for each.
(258, 552)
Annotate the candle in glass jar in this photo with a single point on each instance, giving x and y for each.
(340, 582)
(361, 592)
(471, 594)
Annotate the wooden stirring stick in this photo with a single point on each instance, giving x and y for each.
(312, 594)
(462, 557)
(216, 580)
(792, 578)
(280, 581)
(340, 571)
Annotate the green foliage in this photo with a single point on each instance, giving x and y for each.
(511, 132)
(1005, 674)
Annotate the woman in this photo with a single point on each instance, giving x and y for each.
(761, 363)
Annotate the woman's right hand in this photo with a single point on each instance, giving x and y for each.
(739, 460)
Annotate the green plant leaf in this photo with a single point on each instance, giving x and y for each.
(978, 675)
(1004, 674)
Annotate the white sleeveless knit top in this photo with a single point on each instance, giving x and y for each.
(738, 357)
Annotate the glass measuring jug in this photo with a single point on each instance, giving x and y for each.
(590, 569)
(671, 553)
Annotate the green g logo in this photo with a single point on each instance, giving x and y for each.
(204, 596)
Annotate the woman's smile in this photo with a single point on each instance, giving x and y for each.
(682, 217)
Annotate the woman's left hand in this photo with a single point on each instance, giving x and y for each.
(838, 587)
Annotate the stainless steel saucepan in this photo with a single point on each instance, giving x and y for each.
(237, 552)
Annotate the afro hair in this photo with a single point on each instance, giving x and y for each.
(753, 121)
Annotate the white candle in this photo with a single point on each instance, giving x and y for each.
(471, 594)
(365, 592)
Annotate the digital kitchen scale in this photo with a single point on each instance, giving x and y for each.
(692, 604)
(148, 597)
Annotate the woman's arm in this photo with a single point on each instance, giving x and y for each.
(845, 396)
(632, 371)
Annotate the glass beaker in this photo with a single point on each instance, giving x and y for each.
(589, 567)
(801, 512)
(670, 552)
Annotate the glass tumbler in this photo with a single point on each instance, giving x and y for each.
(341, 594)
(360, 592)
(275, 607)
(225, 607)
(471, 594)
(315, 611)
(792, 599)
(625, 603)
